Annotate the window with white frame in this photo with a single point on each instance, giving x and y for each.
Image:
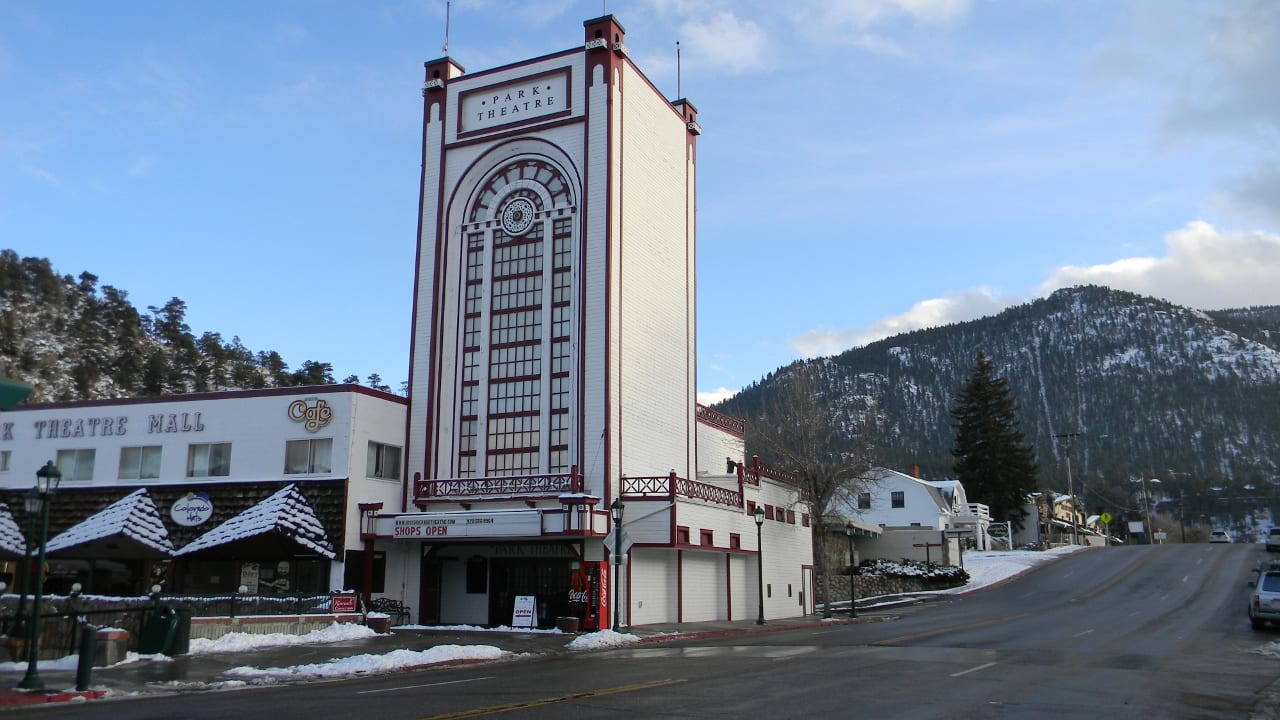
(383, 462)
(898, 499)
(76, 465)
(140, 463)
(209, 460)
(308, 457)
(4, 460)
(864, 501)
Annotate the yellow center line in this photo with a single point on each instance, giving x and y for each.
(495, 709)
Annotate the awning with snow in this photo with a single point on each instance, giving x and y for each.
(128, 528)
(11, 540)
(285, 515)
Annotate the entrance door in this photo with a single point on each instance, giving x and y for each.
(547, 579)
(429, 591)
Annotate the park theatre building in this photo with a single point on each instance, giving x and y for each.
(553, 365)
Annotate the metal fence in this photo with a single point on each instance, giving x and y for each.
(61, 615)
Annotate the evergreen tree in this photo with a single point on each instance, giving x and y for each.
(992, 460)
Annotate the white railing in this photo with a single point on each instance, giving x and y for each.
(982, 512)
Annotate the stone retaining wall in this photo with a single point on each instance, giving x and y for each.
(877, 585)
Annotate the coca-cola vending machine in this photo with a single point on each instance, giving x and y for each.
(589, 595)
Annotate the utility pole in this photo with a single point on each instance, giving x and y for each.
(1071, 487)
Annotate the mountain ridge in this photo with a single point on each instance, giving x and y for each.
(1144, 387)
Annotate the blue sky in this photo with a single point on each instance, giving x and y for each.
(867, 167)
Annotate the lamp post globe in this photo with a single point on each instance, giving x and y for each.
(47, 479)
(758, 516)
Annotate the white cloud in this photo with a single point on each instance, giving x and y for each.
(43, 174)
(711, 397)
(865, 13)
(958, 307)
(1203, 268)
(1218, 61)
(724, 41)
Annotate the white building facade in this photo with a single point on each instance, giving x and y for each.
(553, 367)
(208, 492)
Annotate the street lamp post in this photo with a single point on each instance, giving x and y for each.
(1151, 531)
(759, 518)
(47, 479)
(853, 590)
(616, 511)
(1071, 486)
(20, 617)
(1146, 509)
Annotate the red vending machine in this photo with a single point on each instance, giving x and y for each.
(589, 595)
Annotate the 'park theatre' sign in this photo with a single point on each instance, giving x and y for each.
(531, 98)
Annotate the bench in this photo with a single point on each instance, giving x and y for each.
(395, 609)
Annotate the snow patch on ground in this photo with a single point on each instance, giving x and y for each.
(602, 639)
(242, 642)
(370, 664)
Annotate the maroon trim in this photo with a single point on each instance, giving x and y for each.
(691, 294)
(413, 319)
(618, 118)
(219, 395)
(604, 60)
(720, 421)
(521, 133)
(522, 63)
(679, 586)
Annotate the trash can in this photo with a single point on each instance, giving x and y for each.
(158, 631)
(181, 633)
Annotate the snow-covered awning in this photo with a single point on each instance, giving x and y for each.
(133, 518)
(11, 540)
(286, 513)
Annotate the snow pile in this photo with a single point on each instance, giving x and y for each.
(601, 640)
(244, 642)
(368, 664)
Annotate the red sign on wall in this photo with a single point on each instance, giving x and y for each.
(343, 603)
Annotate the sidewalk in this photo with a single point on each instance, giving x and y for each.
(208, 671)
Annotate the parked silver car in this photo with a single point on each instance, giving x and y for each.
(1273, 539)
(1264, 601)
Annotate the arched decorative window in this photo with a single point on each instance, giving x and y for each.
(517, 323)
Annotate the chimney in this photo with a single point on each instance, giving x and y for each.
(915, 471)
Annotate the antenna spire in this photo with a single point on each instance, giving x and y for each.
(678, 95)
(447, 7)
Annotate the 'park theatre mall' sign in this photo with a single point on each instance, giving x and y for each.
(517, 523)
(531, 98)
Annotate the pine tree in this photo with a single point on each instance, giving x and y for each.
(992, 460)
